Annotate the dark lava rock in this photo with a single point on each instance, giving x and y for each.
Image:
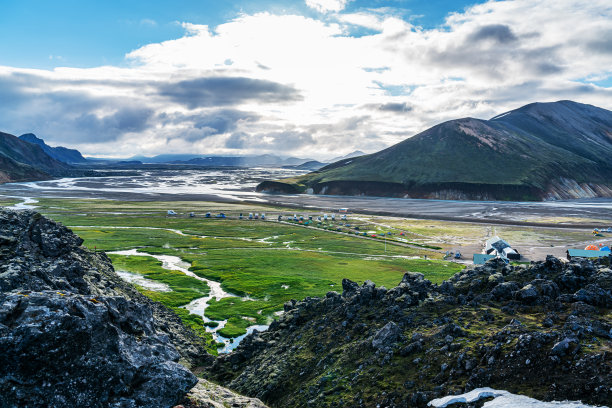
(542, 329)
(65, 350)
(527, 294)
(72, 333)
(386, 336)
(38, 254)
(562, 348)
(505, 290)
(594, 295)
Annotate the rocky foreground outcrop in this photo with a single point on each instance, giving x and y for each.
(543, 330)
(61, 349)
(209, 395)
(38, 254)
(72, 333)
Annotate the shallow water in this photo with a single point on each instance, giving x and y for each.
(197, 306)
(239, 185)
(26, 204)
(144, 282)
(231, 344)
(233, 184)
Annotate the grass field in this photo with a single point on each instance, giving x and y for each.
(8, 201)
(263, 263)
(184, 289)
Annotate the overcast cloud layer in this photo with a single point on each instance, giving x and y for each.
(292, 85)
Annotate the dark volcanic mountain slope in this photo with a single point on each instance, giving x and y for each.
(59, 153)
(540, 151)
(543, 330)
(40, 165)
(10, 171)
(585, 130)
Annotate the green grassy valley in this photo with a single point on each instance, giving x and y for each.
(261, 263)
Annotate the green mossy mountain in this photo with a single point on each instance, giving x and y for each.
(556, 150)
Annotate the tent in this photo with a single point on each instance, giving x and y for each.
(591, 248)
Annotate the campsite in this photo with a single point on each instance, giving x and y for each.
(306, 204)
(259, 264)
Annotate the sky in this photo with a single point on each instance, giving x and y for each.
(308, 78)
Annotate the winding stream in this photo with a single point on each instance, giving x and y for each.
(26, 204)
(198, 306)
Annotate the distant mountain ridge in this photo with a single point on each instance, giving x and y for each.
(60, 153)
(355, 153)
(541, 151)
(309, 165)
(24, 161)
(265, 160)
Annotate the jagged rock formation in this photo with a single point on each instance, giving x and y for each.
(60, 349)
(544, 330)
(72, 333)
(541, 151)
(38, 254)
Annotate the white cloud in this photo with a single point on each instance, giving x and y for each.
(148, 22)
(325, 6)
(304, 86)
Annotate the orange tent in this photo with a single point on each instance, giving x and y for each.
(592, 248)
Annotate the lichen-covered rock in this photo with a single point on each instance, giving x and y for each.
(543, 329)
(505, 290)
(385, 337)
(209, 395)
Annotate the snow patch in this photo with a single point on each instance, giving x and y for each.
(502, 399)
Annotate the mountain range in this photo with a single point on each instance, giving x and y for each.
(24, 161)
(29, 158)
(541, 151)
(60, 153)
(264, 160)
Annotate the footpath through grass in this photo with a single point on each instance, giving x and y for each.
(264, 263)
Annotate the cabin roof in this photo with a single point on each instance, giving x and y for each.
(586, 253)
(481, 259)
